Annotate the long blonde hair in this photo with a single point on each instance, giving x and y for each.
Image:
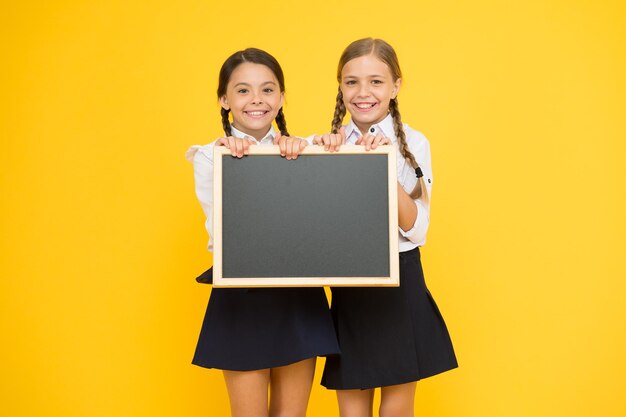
(385, 52)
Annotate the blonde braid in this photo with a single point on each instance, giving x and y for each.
(340, 112)
(398, 129)
(404, 146)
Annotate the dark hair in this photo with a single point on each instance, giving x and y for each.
(255, 56)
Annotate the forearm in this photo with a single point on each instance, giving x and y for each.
(407, 210)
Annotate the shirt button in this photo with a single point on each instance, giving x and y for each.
(372, 130)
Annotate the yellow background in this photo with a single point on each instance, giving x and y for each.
(524, 104)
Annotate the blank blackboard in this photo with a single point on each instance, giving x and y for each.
(323, 219)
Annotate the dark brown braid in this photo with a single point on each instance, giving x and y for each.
(281, 122)
(340, 112)
(226, 122)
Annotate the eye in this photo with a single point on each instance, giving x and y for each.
(377, 82)
(350, 82)
(268, 90)
(242, 90)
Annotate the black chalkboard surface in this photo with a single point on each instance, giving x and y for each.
(323, 219)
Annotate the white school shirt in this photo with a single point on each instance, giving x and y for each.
(420, 148)
(202, 158)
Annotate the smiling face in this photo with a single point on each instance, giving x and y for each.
(253, 97)
(367, 87)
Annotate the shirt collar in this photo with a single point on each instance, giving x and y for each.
(269, 136)
(384, 127)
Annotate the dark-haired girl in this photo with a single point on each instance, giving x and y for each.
(389, 337)
(261, 338)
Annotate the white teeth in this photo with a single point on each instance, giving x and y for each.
(256, 113)
(365, 105)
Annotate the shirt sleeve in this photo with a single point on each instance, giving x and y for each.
(417, 234)
(202, 158)
(421, 151)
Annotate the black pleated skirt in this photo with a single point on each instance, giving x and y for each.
(259, 328)
(388, 336)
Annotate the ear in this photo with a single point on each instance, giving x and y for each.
(224, 103)
(282, 99)
(396, 88)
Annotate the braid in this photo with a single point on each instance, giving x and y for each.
(397, 127)
(403, 146)
(226, 122)
(340, 112)
(281, 122)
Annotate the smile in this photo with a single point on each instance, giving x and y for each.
(364, 106)
(256, 114)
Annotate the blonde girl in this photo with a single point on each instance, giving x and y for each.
(389, 337)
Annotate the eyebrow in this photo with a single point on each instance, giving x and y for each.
(367, 76)
(248, 85)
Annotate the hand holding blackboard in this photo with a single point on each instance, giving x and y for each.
(290, 147)
(331, 141)
(238, 147)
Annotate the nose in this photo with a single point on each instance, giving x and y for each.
(364, 90)
(257, 98)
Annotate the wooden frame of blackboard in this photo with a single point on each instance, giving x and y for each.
(389, 280)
